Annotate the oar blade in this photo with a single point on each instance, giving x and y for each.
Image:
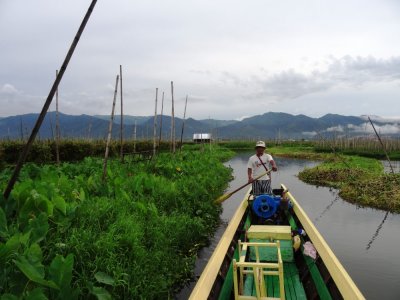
(222, 198)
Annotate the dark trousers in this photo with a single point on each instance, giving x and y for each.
(261, 187)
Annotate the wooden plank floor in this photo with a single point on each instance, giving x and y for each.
(293, 287)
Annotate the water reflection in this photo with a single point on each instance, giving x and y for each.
(395, 165)
(346, 228)
(377, 231)
(327, 208)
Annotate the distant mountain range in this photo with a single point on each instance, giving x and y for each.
(270, 125)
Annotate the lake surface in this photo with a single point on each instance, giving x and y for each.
(395, 165)
(365, 240)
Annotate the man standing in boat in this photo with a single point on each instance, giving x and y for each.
(256, 166)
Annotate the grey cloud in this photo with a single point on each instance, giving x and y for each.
(358, 71)
(383, 129)
(17, 101)
(367, 128)
(383, 119)
(217, 51)
(201, 72)
(338, 128)
(310, 133)
(196, 99)
(290, 84)
(347, 71)
(8, 90)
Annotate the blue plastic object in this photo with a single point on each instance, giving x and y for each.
(265, 206)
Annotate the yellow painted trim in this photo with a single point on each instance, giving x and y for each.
(343, 281)
(276, 232)
(208, 276)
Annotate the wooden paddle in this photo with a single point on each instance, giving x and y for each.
(228, 195)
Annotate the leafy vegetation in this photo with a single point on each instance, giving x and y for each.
(321, 150)
(249, 145)
(362, 146)
(65, 234)
(70, 150)
(360, 180)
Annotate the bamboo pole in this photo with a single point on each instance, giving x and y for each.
(134, 137)
(46, 105)
(51, 128)
(122, 118)
(162, 111)
(89, 131)
(110, 130)
(209, 119)
(183, 124)
(155, 125)
(57, 128)
(383, 146)
(172, 119)
(21, 129)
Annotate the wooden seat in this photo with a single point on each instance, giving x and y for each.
(269, 232)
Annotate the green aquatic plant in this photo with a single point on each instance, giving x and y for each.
(360, 180)
(65, 233)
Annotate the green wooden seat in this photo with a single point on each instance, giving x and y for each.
(271, 233)
(271, 254)
(293, 286)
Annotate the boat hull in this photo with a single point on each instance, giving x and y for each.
(324, 278)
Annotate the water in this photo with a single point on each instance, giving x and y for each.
(365, 240)
(395, 166)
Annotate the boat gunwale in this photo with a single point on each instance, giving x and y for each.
(342, 279)
(207, 278)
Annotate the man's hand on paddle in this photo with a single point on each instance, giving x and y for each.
(274, 167)
(249, 175)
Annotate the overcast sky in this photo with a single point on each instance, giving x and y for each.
(233, 58)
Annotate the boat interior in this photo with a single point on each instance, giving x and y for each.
(272, 262)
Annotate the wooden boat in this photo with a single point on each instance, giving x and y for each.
(256, 256)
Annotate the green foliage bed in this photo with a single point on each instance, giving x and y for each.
(65, 234)
(361, 181)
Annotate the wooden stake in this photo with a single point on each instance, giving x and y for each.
(162, 111)
(51, 128)
(172, 119)
(134, 138)
(155, 126)
(122, 118)
(110, 130)
(21, 129)
(383, 146)
(183, 124)
(57, 128)
(46, 105)
(89, 131)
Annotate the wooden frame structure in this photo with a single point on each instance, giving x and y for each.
(259, 270)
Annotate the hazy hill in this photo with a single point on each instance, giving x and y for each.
(128, 120)
(268, 125)
(217, 123)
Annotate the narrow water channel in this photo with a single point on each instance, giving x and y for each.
(365, 240)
